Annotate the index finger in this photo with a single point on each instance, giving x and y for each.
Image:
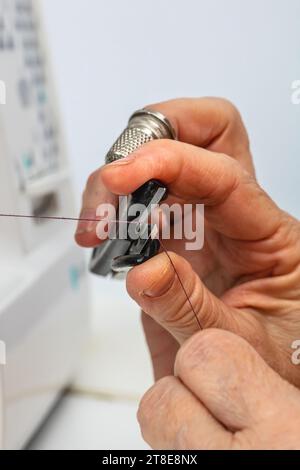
(211, 123)
(235, 205)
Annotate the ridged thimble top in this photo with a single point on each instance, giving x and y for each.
(144, 126)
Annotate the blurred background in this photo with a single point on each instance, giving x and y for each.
(111, 58)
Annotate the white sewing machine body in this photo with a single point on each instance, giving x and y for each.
(43, 282)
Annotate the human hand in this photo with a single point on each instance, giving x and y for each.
(223, 397)
(246, 279)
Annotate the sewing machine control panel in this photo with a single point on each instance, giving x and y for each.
(30, 135)
(28, 116)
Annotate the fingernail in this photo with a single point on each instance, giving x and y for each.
(122, 161)
(87, 224)
(161, 285)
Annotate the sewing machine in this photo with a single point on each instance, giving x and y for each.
(43, 282)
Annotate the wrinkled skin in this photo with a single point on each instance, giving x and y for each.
(247, 278)
(246, 282)
(223, 396)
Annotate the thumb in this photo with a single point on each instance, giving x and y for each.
(167, 289)
(236, 386)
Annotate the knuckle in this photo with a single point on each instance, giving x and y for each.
(232, 167)
(143, 414)
(209, 345)
(227, 179)
(155, 399)
(229, 108)
(92, 178)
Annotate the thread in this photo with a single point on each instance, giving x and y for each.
(45, 217)
(75, 219)
(182, 285)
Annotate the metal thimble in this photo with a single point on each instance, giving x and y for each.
(143, 126)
